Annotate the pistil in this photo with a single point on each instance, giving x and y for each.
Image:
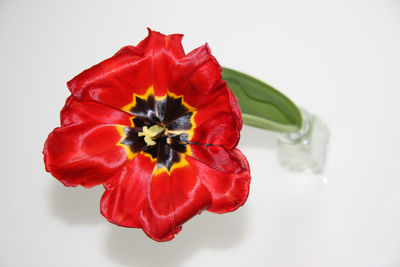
(151, 133)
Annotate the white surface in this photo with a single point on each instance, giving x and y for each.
(339, 59)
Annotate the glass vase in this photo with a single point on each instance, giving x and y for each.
(305, 150)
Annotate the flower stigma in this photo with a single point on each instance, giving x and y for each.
(150, 133)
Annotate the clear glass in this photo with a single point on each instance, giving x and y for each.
(305, 150)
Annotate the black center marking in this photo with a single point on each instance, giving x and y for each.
(169, 112)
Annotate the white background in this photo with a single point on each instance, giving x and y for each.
(339, 59)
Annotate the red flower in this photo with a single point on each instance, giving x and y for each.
(158, 129)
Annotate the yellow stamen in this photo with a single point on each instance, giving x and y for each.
(151, 132)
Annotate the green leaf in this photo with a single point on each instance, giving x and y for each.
(262, 105)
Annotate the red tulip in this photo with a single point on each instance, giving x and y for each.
(158, 128)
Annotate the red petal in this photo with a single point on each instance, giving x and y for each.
(83, 154)
(195, 75)
(125, 192)
(164, 51)
(225, 173)
(218, 121)
(173, 199)
(130, 70)
(79, 111)
(113, 81)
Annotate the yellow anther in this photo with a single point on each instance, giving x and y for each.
(151, 132)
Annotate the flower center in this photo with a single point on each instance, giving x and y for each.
(161, 129)
(152, 133)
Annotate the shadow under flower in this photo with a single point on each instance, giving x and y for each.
(208, 231)
(76, 205)
(132, 247)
